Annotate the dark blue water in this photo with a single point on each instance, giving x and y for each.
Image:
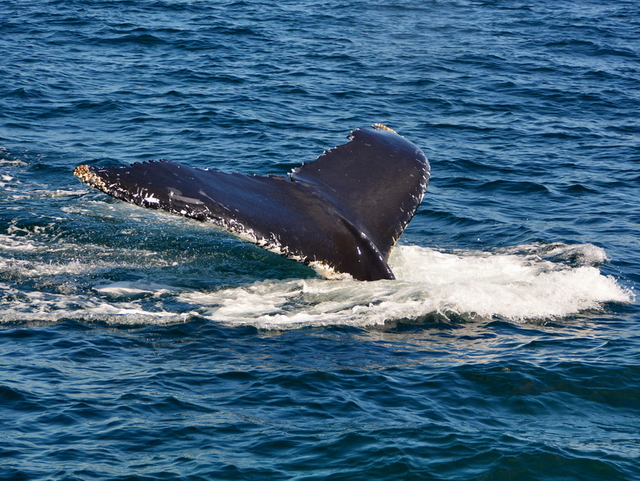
(135, 345)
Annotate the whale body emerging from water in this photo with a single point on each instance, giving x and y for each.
(341, 213)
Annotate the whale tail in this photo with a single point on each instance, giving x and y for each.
(343, 211)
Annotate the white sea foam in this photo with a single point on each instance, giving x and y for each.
(132, 289)
(520, 283)
(11, 243)
(471, 284)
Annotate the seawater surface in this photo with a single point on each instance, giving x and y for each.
(135, 345)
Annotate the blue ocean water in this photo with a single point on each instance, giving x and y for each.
(135, 345)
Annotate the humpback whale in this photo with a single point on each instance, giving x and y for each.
(342, 212)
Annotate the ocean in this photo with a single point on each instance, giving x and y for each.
(138, 345)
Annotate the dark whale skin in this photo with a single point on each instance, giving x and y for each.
(344, 211)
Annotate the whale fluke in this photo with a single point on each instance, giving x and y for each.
(343, 211)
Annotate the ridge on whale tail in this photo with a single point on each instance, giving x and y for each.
(343, 211)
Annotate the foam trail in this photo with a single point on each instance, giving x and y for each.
(519, 283)
(470, 284)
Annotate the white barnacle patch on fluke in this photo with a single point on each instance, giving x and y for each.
(86, 175)
(151, 199)
(384, 127)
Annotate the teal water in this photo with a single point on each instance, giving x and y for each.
(135, 345)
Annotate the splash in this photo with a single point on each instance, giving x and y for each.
(521, 283)
(469, 284)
